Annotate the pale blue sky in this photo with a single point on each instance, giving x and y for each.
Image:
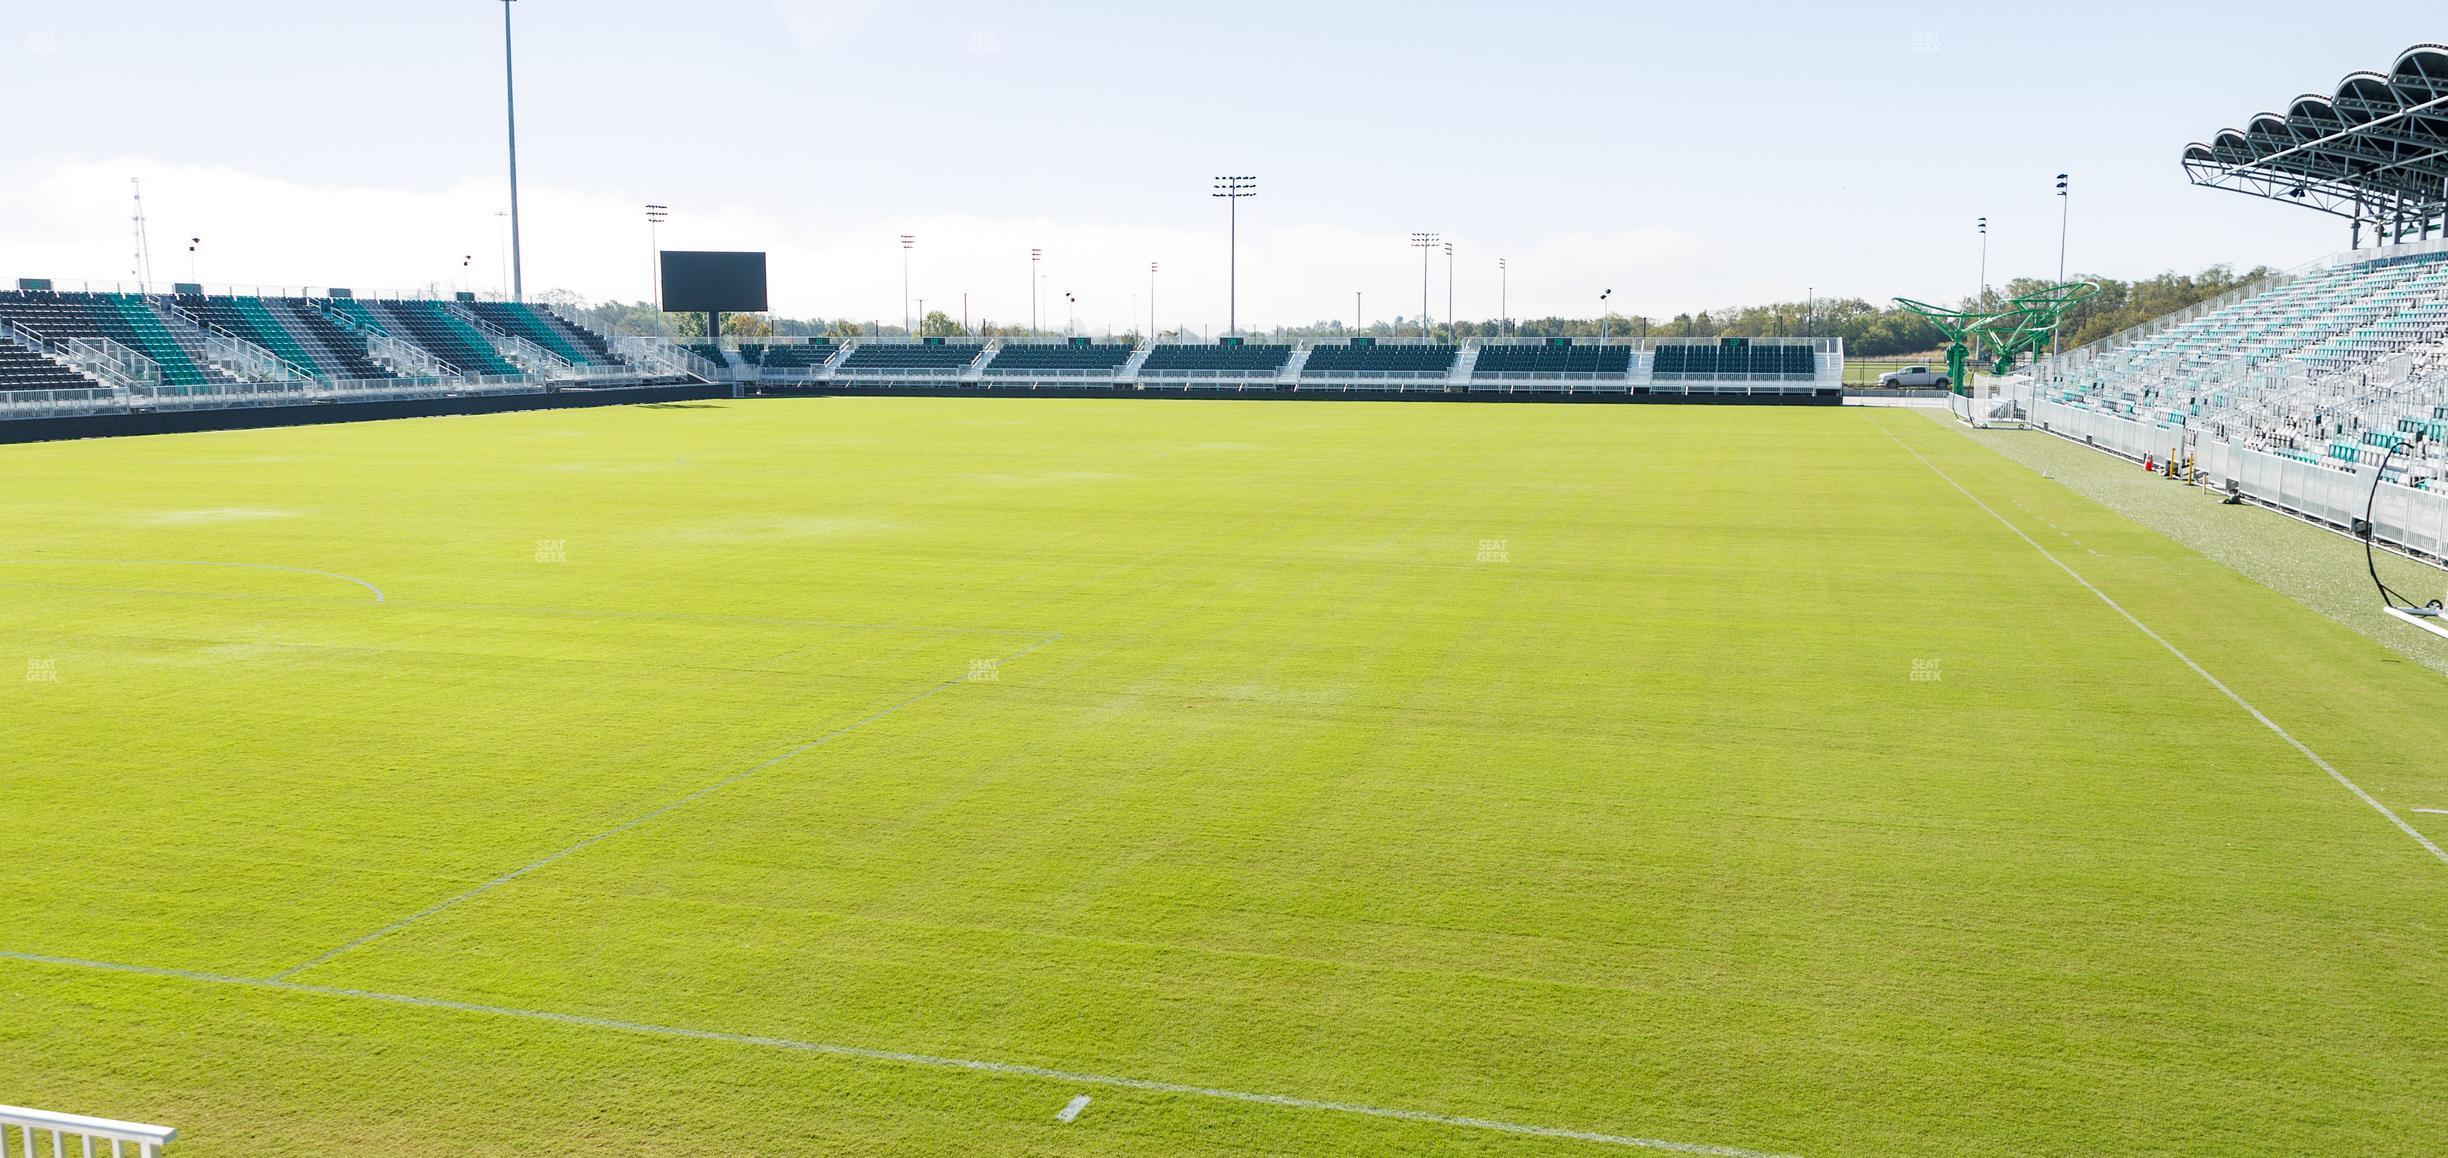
(1688, 155)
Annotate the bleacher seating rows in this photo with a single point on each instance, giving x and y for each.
(431, 325)
(1185, 359)
(794, 355)
(325, 352)
(121, 318)
(708, 351)
(1379, 360)
(1748, 363)
(1543, 360)
(23, 369)
(1033, 357)
(913, 356)
(573, 343)
(2330, 368)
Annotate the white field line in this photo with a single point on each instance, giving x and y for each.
(1071, 1109)
(651, 814)
(2308, 754)
(897, 1057)
(378, 595)
(2434, 811)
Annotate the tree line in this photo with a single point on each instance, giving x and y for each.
(1869, 330)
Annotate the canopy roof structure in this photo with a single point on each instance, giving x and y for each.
(2375, 153)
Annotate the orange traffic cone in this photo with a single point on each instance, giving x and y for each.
(2146, 463)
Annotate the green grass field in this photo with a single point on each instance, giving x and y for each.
(877, 776)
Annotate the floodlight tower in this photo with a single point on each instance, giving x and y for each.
(2065, 218)
(1452, 333)
(518, 279)
(655, 215)
(1424, 242)
(909, 241)
(1232, 190)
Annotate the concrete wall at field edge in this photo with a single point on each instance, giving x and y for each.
(257, 417)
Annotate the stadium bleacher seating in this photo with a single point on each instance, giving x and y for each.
(325, 351)
(567, 340)
(23, 369)
(1542, 360)
(428, 325)
(1058, 357)
(2334, 367)
(1358, 360)
(1750, 362)
(1219, 360)
(708, 351)
(913, 356)
(794, 355)
(122, 318)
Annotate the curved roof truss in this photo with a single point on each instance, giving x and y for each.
(2374, 151)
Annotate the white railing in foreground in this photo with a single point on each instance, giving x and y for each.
(148, 1140)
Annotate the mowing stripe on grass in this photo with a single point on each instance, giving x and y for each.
(864, 1053)
(378, 595)
(649, 815)
(2308, 754)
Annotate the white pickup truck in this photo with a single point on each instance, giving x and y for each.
(1913, 377)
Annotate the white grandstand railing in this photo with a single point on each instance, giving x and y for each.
(99, 358)
(146, 1140)
(316, 391)
(61, 403)
(664, 356)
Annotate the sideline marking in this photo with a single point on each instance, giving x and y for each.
(864, 1053)
(649, 815)
(2434, 811)
(2308, 754)
(378, 595)
(1072, 1108)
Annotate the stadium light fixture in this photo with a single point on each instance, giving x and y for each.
(1504, 304)
(1232, 190)
(2065, 217)
(518, 279)
(1984, 260)
(655, 215)
(909, 241)
(1356, 300)
(1035, 255)
(1071, 313)
(1151, 302)
(1452, 334)
(1606, 314)
(1424, 242)
(193, 243)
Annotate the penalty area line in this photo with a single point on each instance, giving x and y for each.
(898, 1057)
(2434, 849)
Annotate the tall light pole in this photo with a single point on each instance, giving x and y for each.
(1424, 242)
(1232, 190)
(1453, 334)
(909, 241)
(1356, 324)
(1605, 315)
(518, 279)
(1035, 255)
(1984, 261)
(1071, 313)
(1504, 301)
(2065, 217)
(193, 243)
(1151, 303)
(654, 251)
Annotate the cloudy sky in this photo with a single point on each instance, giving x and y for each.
(1684, 155)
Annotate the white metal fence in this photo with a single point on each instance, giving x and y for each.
(2414, 521)
(77, 1134)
